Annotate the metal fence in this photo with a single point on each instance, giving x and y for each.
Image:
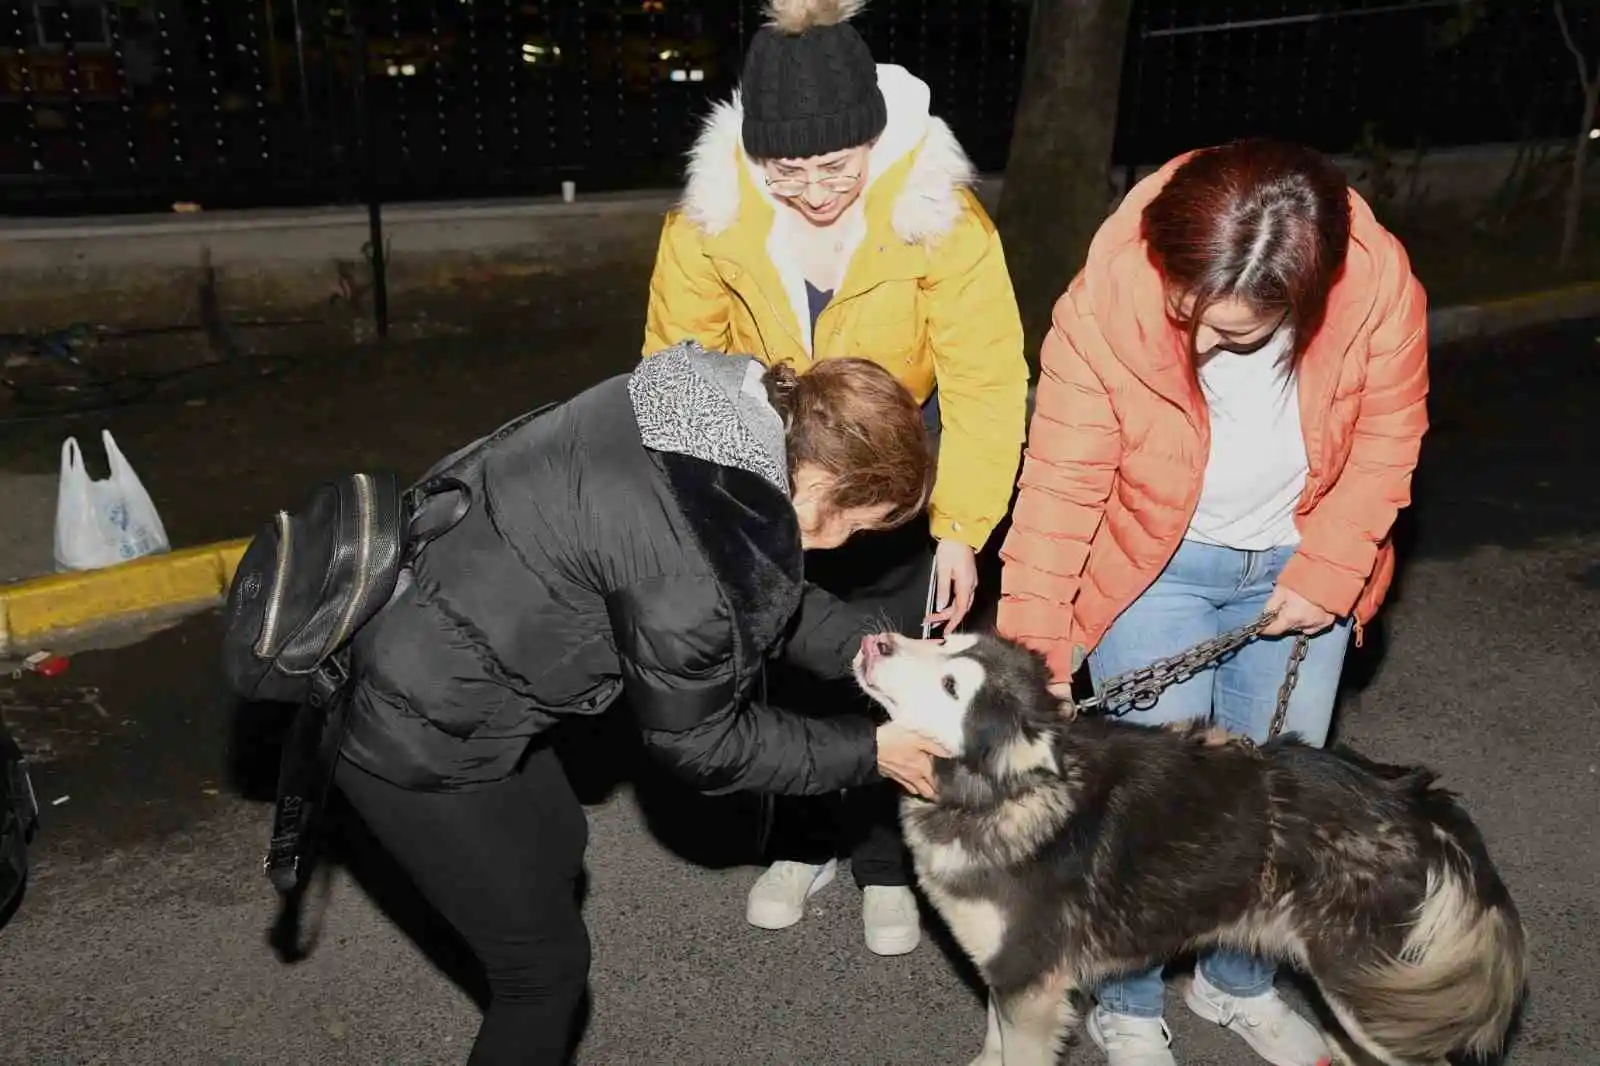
(136, 105)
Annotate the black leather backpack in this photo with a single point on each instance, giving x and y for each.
(305, 585)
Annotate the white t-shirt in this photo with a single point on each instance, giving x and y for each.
(1256, 471)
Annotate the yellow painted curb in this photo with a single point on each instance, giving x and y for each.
(1534, 308)
(33, 611)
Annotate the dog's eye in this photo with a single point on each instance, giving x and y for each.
(950, 685)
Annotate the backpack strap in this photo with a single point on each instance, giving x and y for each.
(430, 517)
(436, 507)
(305, 773)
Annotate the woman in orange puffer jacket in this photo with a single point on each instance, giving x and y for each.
(1230, 407)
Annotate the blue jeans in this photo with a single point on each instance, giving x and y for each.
(1203, 592)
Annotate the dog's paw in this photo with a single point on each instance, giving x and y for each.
(988, 1058)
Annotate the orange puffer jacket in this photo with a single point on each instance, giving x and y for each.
(1118, 443)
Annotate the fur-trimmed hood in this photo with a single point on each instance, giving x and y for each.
(919, 286)
(924, 208)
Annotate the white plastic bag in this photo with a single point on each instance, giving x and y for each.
(102, 523)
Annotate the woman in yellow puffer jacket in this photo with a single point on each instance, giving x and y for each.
(827, 214)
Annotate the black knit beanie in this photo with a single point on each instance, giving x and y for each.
(810, 85)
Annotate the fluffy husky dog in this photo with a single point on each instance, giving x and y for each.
(1062, 851)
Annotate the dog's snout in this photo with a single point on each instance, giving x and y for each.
(876, 646)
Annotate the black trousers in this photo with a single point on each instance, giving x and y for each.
(502, 865)
(887, 573)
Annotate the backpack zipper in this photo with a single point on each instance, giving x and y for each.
(280, 573)
(363, 558)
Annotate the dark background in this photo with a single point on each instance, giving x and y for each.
(134, 105)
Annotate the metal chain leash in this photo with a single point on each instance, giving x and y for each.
(1139, 689)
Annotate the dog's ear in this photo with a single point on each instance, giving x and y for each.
(1046, 702)
(1037, 656)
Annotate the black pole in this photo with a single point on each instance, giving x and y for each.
(374, 195)
(300, 64)
(380, 278)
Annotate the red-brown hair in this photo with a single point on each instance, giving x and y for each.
(855, 422)
(1265, 222)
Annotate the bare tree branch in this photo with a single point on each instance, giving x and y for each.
(1580, 150)
(1572, 45)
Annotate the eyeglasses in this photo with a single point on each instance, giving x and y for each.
(792, 187)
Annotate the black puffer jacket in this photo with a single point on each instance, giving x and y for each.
(640, 539)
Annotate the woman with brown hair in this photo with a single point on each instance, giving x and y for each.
(644, 540)
(1230, 408)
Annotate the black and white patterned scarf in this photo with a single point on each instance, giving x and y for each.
(712, 407)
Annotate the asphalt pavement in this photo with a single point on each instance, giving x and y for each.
(147, 935)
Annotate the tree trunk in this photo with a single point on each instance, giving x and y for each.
(1057, 180)
(1580, 158)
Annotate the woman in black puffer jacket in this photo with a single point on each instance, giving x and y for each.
(643, 539)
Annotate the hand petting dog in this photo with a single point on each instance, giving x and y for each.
(906, 758)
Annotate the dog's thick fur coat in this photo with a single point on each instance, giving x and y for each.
(1063, 851)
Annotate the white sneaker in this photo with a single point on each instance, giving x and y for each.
(778, 898)
(1130, 1041)
(889, 915)
(1265, 1022)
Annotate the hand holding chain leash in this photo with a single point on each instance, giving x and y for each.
(1139, 689)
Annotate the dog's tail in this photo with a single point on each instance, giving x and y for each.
(1458, 978)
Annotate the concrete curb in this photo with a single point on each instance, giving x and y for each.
(39, 610)
(1449, 324)
(56, 606)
